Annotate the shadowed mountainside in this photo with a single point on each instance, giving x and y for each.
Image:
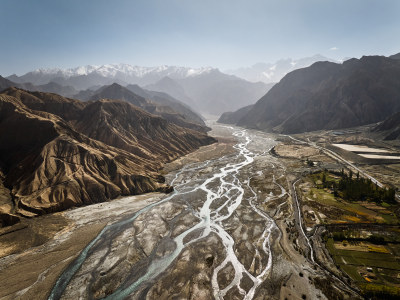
(164, 99)
(122, 125)
(179, 114)
(5, 83)
(56, 153)
(116, 91)
(235, 116)
(157, 101)
(66, 108)
(329, 96)
(390, 127)
(395, 56)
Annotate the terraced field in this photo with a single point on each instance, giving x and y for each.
(375, 270)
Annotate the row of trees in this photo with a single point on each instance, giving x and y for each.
(356, 188)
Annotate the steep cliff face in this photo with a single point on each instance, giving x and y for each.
(100, 151)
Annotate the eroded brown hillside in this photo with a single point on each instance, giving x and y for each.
(56, 153)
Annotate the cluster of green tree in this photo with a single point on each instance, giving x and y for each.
(357, 188)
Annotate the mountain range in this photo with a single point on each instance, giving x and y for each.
(328, 96)
(114, 73)
(198, 88)
(57, 152)
(207, 90)
(212, 93)
(156, 103)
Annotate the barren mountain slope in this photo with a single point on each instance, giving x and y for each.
(171, 113)
(122, 125)
(330, 96)
(390, 127)
(49, 165)
(232, 117)
(66, 108)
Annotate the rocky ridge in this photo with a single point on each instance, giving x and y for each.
(56, 152)
(329, 96)
(169, 109)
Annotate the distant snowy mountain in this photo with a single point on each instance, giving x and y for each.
(123, 73)
(129, 70)
(206, 89)
(274, 72)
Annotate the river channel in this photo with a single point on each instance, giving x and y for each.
(210, 238)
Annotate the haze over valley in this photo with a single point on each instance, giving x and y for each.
(200, 150)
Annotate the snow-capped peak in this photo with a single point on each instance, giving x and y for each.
(112, 70)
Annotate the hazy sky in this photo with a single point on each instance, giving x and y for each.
(219, 33)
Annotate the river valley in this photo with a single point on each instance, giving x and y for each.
(227, 231)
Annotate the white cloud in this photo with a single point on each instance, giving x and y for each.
(333, 48)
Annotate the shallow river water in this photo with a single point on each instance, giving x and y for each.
(211, 207)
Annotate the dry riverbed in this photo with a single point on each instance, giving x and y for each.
(228, 231)
(35, 251)
(32, 270)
